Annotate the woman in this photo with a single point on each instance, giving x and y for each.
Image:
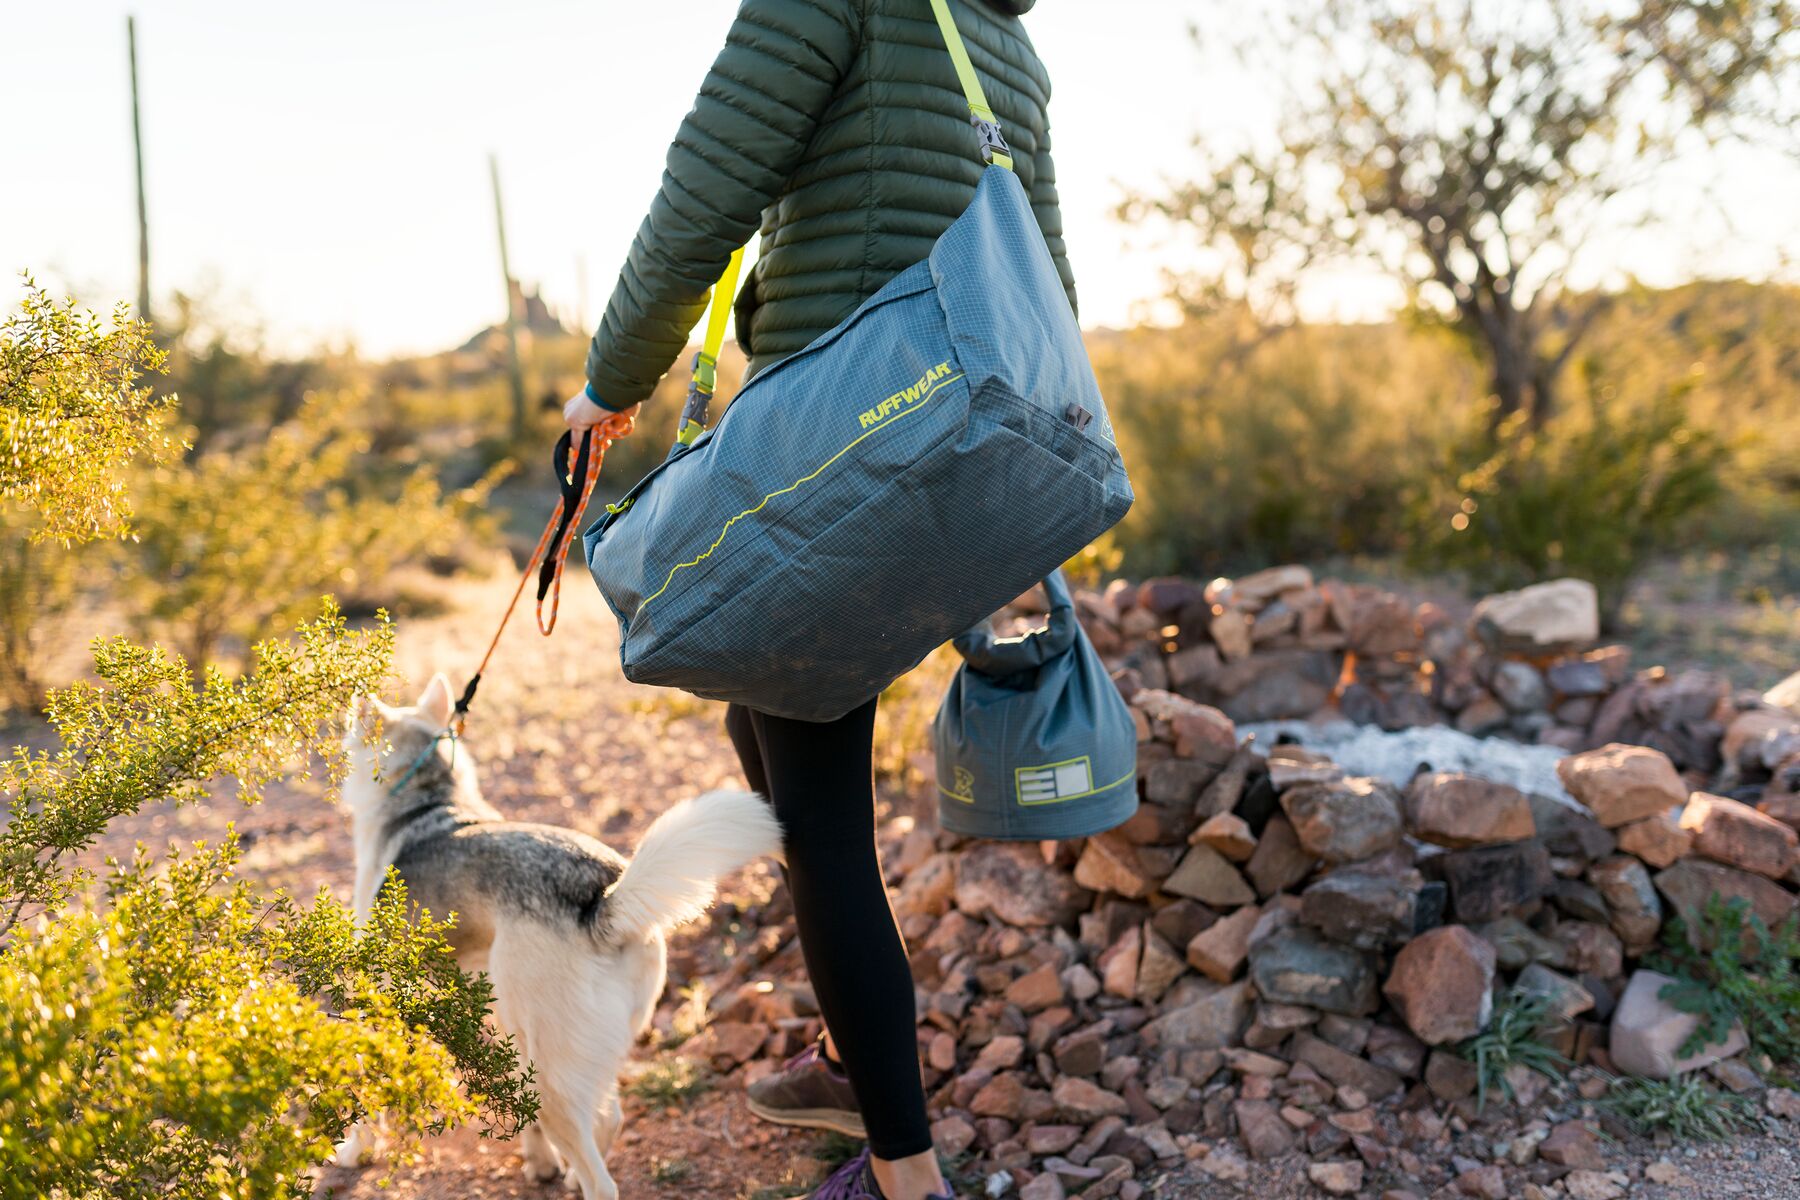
(837, 127)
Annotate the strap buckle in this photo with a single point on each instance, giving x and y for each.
(701, 384)
(993, 142)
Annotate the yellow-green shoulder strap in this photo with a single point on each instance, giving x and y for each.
(993, 145)
(706, 363)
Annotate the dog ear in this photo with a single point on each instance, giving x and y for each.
(436, 702)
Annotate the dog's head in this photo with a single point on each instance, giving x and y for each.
(383, 742)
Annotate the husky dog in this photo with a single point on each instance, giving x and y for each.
(570, 933)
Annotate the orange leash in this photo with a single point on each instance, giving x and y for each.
(577, 482)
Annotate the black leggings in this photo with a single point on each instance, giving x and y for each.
(818, 777)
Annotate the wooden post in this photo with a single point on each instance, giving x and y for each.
(515, 373)
(137, 142)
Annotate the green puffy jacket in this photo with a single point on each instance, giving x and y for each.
(838, 127)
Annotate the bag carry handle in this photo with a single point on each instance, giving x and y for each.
(994, 151)
(1009, 658)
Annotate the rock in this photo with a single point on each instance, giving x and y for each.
(1180, 920)
(1688, 883)
(1280, 861)
(1260, 1127)
(1572, 1144)
(1159, 967)
(952, 1135)
(1046, 1185)
(1176, 782)
(1344, 820)
(1082, 1052)
(1084, 1100)
(1577, 678)
(1491, 882)
(1109, 863)
(1203, 732)
(1659, 840)
(1037, 989)
(1648, 1031)
(1012, 881)
(1567, 998)
(1633, 910)
(1481, 716)
(1206, 876)
(1211, 1022)
(1227, 1166)
(1336, 1178)
(1739, 836)
(1449, 1077)
(1568, 831)
(1442, 985)
(1118, 964)
(1343, 1069)
(1517, 944)
(1520, 687)
(1257, 589)
(1452, 809)
(930, 887)
(1230, 632)
(1543, 619)
(1276, 685)
(1580, 900)
(1363, 909)
(1002, 1096)
(1227, 833)
(1396, 1050)
(1591, 949)
(1220, 951)
(1593, 1185)
(1297, 966)
(1783, 1103)
(1621, 784)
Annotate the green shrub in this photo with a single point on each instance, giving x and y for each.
(1731, 967)
(72, 416)
(1593, 495)
(234, 544)
(1513, 1038)
(1684, 1108)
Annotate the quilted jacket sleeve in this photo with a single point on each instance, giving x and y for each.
(1049, 216)
(783, 60)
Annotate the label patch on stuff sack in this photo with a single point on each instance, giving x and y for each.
(1054, 781)
(962, 785)
(905, 397)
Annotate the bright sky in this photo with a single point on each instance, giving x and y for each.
(322, 167)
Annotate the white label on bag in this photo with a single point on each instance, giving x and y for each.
(1054, 781)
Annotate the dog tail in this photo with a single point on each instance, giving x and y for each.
(670, 879)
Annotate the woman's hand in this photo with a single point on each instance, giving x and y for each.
(581, 412)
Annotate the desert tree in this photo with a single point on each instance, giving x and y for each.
(1473, 152)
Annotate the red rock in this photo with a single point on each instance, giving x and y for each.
(1622, 783)
(1227, 833)
(1002, 1096)
(1158, 967)
(1442, 985)
(1457, 810)
(1111, 864)
(1344, 820)
(1263, 1132)
(1084, 1100)
(1572, 1144)
(1336, 1178)
(1036, 989)
(1203, 732)
(1688, 883)
(1010, 880)
(1119, 964)
(1231, 634)
(1220, 951)
(1659, 840)
(1206, 876)
(1739, 836)
(952, 1135)
(1631, 904)
(1280, 861)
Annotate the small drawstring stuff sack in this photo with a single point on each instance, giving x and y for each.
(1034, 741)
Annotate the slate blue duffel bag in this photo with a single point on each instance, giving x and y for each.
(881, 490)
(1033, 740)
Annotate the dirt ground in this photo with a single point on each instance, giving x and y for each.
(561, 737)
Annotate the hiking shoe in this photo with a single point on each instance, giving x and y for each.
(809, 1092)
(855, 1180)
